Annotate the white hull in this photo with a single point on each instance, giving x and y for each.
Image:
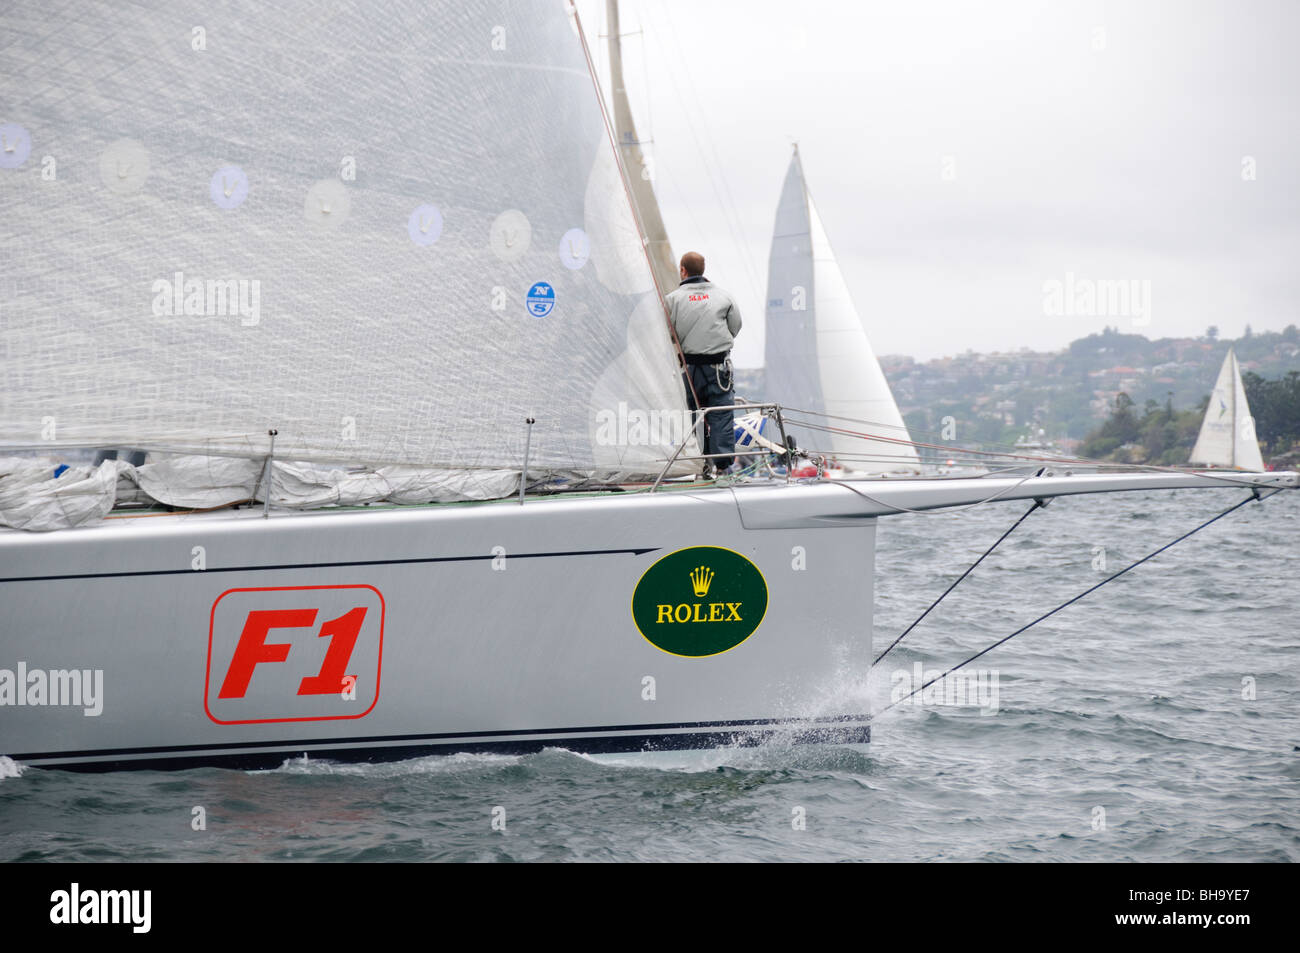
(459, 650)
(541, 650)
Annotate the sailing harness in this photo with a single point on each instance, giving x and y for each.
(1256, 495)
(721, 370)
(721, 364)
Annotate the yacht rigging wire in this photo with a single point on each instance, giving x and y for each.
(994, 457)
(1255, 496)
(1038, 504)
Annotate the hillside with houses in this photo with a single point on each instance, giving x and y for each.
(1063, 396)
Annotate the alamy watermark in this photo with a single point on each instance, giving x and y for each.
(76, 905)
(1101, 298)
(963, 688)
(638, 427)
(76, 688)
(214, 297)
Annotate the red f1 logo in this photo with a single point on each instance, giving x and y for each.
(269, 659)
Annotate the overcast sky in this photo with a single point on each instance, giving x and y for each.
(1106, 140)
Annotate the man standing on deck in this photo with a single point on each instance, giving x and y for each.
(707, 321)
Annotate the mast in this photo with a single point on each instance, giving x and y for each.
(635, 170)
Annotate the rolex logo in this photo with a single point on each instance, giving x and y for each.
(701, 579)
(729, 602)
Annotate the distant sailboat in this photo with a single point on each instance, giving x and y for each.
(1227, 436)
(817, 354)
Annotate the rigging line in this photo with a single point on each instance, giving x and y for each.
(681, 99)
(1253, 497)
(659, 178)
(899, 508)
(1038, 504)
(1057, 461)
(631, 199)
(727, 213)
(1002, 457)
(618, 158)
(910, 430)
(916, 443)
(645, 81)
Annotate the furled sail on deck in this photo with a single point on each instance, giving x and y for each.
(817, 354)
(390, 232)
(1227, 437)
(636, 168)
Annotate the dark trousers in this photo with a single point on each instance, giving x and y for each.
(719, 426)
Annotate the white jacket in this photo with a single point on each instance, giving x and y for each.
(705, 317)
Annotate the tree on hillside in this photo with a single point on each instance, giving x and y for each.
(1275, 405)
(1163, 436)
(1119, 429)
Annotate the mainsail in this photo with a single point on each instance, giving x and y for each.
(817, 354)
(390, 232)
(1227, 437)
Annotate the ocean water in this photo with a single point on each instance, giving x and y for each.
(1156, 720)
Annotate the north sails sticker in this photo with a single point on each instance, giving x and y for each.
(541, 299)
(700, 601)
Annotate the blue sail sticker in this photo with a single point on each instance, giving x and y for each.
(541, 299)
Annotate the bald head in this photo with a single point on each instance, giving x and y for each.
(693, 264)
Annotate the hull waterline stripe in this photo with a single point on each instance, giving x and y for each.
(598, 744)
(367, 562)
(441, 737)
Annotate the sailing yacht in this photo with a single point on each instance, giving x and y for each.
(383, 317)
(1227, 437)
(817, 353)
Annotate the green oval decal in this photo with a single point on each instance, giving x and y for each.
(700, 601)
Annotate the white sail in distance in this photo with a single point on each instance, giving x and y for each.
(1227, 437)
(391, 236)
(817, 353)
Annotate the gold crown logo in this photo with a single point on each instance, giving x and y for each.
(701, 579)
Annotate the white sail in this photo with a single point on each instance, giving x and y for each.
(1227, 437)
(818, 355)
(391, 254)
(793, 376)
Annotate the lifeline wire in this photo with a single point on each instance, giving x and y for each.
(971, 568)
(1253, 496)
